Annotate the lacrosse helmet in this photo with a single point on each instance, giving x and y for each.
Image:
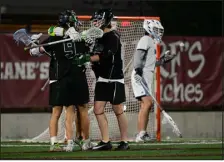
(68, 19)
(102, 18)
(154, 28)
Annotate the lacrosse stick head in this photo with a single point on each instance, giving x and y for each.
(102, 18)
(21, 36)
(169, 120)
(93, 33)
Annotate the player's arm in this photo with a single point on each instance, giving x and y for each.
(61, 32)
(140, 55)
(39, 51)
(105, 50)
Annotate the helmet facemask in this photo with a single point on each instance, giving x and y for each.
(154, 28)
(101, 18)
(158, 33)
(99, 23)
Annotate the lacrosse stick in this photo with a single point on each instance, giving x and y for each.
(45, 84)
(21, 36)
(165, 115)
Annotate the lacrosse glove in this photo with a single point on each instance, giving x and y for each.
(139, 71)
(56, 31)
(81, 60)
(35, 38)
(167, 57)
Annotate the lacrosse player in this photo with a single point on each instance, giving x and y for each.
(81, 117)
(107, 65)
(144, 66)
(68, 83)
(110, 79)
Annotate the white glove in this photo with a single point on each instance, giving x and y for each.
(35, 52)
(73, 34)
(35, 38)
(59, 31)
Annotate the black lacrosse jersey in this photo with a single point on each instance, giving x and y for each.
(110, 65)
(62, 56)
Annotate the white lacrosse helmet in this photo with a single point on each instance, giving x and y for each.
(154, 28)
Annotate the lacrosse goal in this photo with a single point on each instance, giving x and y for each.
(131, 30)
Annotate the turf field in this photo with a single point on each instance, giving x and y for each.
(206, 150)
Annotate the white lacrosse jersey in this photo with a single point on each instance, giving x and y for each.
(148, 44)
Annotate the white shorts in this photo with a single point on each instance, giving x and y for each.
(140, 90)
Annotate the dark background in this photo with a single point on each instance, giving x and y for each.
(179, 18)
(186, 18)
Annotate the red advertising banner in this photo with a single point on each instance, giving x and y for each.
(22, 76)
(193, 78)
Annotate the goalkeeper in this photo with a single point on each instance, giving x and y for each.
(144, 66)
(68, 83)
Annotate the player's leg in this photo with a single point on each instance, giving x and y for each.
(78, 135)
(145, 104)
(102, 95)
(76, 119)
(83, 120)
(85, 143)
(53, 128)
(143, 118)
(118, 107)
(54, 92)
(81, 86)
(69, 118)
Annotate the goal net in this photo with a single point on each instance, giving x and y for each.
(131, 30)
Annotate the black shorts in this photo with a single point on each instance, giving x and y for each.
(114, 92)
(70, 90)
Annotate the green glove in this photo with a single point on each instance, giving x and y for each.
(81, 60)
(51, 31)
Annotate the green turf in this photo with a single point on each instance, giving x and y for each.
(146, 151)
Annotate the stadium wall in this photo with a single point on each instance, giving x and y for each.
(192, 125)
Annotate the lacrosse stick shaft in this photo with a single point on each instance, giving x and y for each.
(163, 112)
(47, 44)
(45, 84)
(98, 33)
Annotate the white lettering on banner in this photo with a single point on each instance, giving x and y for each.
(182, 92)
(44, 73)
(30, 70)
(24, 70)
(196, 57)
(19, 70)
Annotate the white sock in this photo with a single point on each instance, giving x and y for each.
(142, 133)
(70, 142)
(53, 140)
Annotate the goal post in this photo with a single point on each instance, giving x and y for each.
(131, 30)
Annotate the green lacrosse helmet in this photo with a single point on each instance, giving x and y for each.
(68, 18)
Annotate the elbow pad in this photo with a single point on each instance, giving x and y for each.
(35, 52)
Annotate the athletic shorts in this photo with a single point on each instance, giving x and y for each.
(114, 92)
(70, 90)
(140, 90)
